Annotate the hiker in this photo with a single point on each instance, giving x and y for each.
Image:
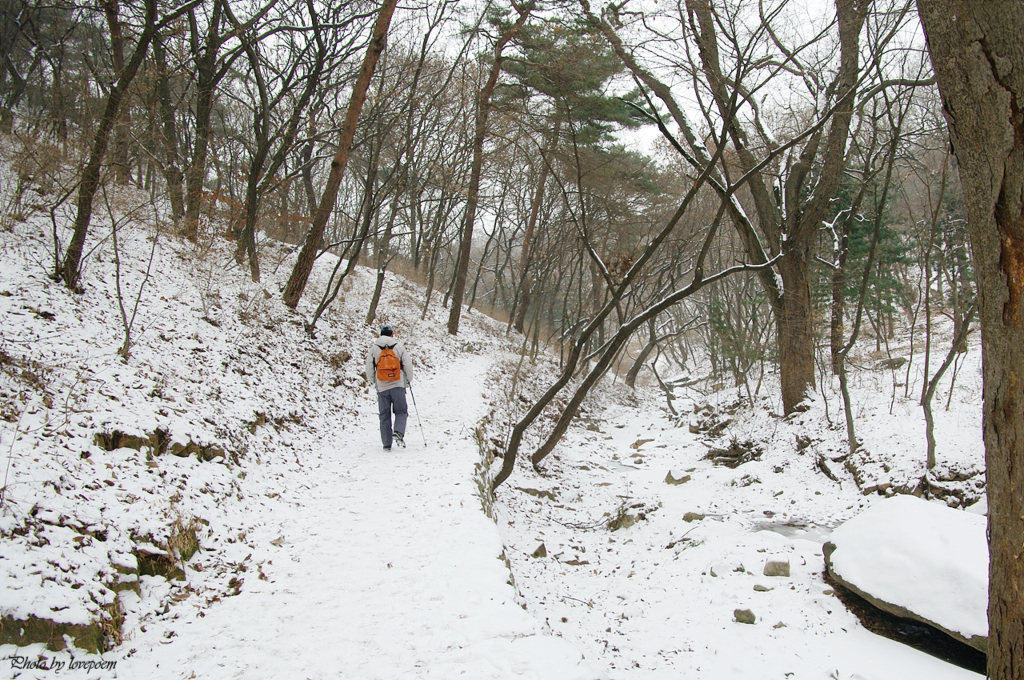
(389, 367)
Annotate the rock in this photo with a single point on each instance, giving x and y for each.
(623, 520)
(979, 508)
(744, 616)
(917, 560)
(672, 479)
(738, 453)
(893, 364)
(880, 488)
(538, 493)
(776, 567)
(691, 516)
(541, 551)
(761, 589)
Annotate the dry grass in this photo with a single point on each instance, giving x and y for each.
(184, 539)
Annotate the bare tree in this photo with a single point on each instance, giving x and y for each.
(70, 269)
(483, 110)
(731, 53)
(300, 68)
(315, 237)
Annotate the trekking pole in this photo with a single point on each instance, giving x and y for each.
(417, 411)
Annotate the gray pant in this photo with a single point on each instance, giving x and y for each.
(388, 401)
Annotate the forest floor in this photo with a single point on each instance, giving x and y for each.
(319, 555)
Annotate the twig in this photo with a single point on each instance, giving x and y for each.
(10, 454)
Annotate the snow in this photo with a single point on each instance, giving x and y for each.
(656, 600)
(319, 553)
(322, 556)
(922, 556)
(387, 568)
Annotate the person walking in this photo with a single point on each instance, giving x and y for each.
(389, 368)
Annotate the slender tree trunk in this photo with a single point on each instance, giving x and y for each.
(119, 155)
(932, 385)
(978, 57)
(173, 175)
(195, 174)
(70, 270)
(837, 322)
(522, 301)
(315, 238)
(306, 157)
(483, 110)
(383, 257)
(652, 344)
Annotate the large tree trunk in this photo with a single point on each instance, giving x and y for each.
(794, 327)
(315, 237)
(978, 56)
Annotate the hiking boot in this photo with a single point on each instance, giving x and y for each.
(400, 439)
(387, 448)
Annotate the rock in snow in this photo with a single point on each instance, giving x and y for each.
(744, 616)
(675, 477)
(918, 560)
(777, 567)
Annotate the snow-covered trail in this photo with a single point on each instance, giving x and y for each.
(371, 564)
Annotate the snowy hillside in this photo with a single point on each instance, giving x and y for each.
(217, 505)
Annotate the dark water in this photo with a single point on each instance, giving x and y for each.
(917, 635)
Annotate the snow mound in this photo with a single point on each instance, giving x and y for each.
(920, 560)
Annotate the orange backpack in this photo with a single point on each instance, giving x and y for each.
(389, 368)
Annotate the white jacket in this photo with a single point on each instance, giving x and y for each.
(371, 363)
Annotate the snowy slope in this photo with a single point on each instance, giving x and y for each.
(319, 554)
(657, 599)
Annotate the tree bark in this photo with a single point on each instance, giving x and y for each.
(978, 58)
(119, 160)
(794, 329)
(173, 175)
(315, 237)
(483, 110)
(70, 270)
(206, 77)
(522, 301)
